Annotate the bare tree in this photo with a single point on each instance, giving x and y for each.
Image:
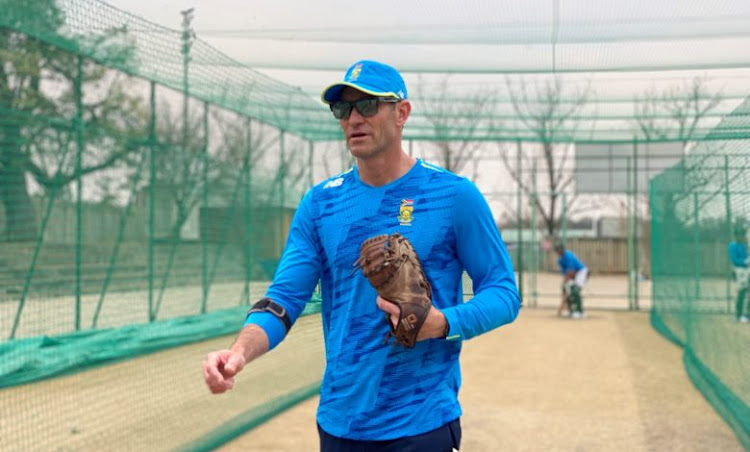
(455, 122)
(179, 162)
(681, 114)
(186, 165)
(36, 139)
(677, 113)
(547, 110)
(336, 159)
(241, 140)
(292, 166)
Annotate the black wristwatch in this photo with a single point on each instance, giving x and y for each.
(447, 328)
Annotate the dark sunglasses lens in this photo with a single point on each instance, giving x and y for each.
(367, 107)
(341, 109)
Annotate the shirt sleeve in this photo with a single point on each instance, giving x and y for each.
(483, 254)
(737, 254)
(296, 275)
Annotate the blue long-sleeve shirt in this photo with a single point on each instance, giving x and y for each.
(569, 262)
(372, 390)
(738, 254)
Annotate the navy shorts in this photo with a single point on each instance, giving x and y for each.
(442, 439)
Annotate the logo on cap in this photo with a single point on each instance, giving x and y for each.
(356, 70)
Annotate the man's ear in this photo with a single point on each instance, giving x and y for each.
(403, 109)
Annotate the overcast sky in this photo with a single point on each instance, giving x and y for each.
(311, 43)
(485, 38)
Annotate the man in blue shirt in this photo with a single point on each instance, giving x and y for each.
(739, 259)
(378, 396)
(575, 274)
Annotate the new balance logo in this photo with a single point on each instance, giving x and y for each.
(334, 183)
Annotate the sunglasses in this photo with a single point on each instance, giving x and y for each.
(366, 107)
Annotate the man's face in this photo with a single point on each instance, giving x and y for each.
(370, 136)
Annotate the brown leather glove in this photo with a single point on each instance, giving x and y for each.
(391, 265)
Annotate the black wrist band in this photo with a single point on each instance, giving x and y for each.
(268, 305)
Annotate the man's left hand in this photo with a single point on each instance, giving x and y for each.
(434, 324)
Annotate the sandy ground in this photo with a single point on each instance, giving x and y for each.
(605, 383)
(156, 402)
(608, 382)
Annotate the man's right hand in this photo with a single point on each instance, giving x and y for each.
(219, 370)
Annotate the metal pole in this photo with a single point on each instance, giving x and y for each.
(564, 217)
(187, 42)
(636, 229)
(282, 191)
(519, 218)
(696, 245)
(151, 199)
(728, 208)
(248, 212)
(187, 37)
(79, 185)
(629, 227)
(204, 245)
(535, 264)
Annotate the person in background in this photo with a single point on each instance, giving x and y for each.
(739, 259)
(575, 274)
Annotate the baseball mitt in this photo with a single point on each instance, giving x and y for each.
(391, 265)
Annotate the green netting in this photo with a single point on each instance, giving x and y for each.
(36, 358)
(147, 183)
(695, 208)
(565, 99)
(138, 222)
(152, 401)
(122, 41)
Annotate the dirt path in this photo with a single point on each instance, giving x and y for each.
(155, 402)
(605, 383)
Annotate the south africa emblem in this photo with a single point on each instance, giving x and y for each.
(405, 212)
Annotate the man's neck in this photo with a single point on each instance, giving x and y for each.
(383, 169)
